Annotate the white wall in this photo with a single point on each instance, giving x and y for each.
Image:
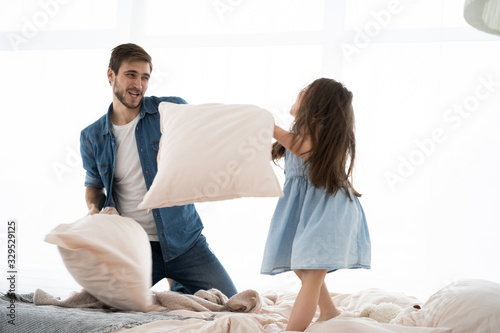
(426, 89)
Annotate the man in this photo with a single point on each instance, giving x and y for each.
(119, 153)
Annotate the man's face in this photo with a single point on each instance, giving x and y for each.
(130, 83)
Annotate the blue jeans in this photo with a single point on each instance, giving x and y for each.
(198, 268)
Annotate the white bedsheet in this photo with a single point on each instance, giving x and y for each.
(274, 318)
(466, 306)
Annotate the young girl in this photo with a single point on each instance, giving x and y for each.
(319, 225)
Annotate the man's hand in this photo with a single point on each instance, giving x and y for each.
(93, 210)
(109, 210)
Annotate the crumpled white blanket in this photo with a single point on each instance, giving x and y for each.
(204, 300)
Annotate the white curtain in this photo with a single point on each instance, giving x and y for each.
(426, 96)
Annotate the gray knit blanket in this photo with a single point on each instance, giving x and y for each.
(81, 312)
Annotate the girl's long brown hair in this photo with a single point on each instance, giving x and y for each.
(326, 115)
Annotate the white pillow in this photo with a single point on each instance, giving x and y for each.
(212, 152)
(110, 257)
(466, 306)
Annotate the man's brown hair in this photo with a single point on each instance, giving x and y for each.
(128, 52)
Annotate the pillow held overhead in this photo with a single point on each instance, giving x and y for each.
(212, 152)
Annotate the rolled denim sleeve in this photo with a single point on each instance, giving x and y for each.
(181, 100)
(92, 178)
(171, 99)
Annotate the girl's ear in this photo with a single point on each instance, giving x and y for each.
(111, 76)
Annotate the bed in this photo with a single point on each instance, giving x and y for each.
(466, 306)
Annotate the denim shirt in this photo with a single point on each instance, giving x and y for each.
(179, 226)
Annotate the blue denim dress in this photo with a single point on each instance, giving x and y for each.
(311, 229)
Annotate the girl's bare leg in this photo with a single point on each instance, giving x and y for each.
(307, 300)
(326, 306)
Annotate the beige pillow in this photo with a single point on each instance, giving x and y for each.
(465, 306)
(110, 257)
(212, 152)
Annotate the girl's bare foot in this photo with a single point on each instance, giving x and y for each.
(328, 316)
(327, 309)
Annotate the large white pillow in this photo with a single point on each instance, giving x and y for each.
(466, 306)
(110, 257)
(212, 152)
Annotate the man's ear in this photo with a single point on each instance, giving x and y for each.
(111, 76)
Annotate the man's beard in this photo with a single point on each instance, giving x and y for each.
(120, 94)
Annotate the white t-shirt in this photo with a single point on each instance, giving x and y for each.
(129, 185)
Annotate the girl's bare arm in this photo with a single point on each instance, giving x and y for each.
(298, 145)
